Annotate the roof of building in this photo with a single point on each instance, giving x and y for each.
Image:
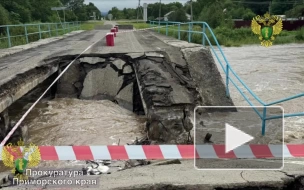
(172, 12)
(168, 13)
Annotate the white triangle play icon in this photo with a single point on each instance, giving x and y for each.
(235, 138)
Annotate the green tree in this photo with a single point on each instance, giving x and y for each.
(178, 16)
(213, 14)
(4, 16)
(279, 7)
(296, 12)
(259, 7)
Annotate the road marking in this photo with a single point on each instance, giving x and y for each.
(28, 111)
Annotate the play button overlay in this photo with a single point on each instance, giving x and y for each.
(231, 138)
(235, 138)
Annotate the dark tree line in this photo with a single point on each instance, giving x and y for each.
(217, 11)
(26, 11)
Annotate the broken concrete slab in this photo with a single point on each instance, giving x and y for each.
(125, 97)
(165, 98)
(135, 55)
(119, 63)
(127, 69)
(205, 72)
(153, 54)
(65, 86)
(101, 82)
(183, 44)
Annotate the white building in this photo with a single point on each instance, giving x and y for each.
(167, 15)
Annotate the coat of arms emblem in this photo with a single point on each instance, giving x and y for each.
(20, 158)
(266, 27)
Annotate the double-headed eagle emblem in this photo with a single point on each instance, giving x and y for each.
(266, 27)
(20, 158)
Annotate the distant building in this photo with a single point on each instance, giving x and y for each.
(283, 17)
(167, 15)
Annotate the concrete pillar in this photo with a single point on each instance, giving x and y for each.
(4, 123)
(145, 12)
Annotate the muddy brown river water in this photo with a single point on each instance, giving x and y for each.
(272, 74)
(62, 122)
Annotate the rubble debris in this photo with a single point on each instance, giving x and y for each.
(142, 141)
(95, 168)
(134, 163)
(202, 123)
(166, 162)
(207, 138)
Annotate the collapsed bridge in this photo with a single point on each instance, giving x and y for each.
(164, 81)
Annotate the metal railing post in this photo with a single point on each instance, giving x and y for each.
(167, 28)
(189, 32)
(56, 30)
(50, 33)
(26, 36)
(227, 81)
(204, 31)
(39, 31)
(159, 27)
(179, 27)
(264, 121)
(8, 37)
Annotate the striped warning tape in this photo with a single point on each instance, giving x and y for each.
(167, 152)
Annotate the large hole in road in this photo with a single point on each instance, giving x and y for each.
(109, 77)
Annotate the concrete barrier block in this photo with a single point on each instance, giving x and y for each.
(116, 27)
(113, 30)
(110, 39)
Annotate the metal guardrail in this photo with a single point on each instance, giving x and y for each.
(226, 68)
(12, 35)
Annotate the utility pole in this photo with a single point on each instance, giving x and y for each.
(159, 15)
(138, 9)
(191, 11)
(269, 8)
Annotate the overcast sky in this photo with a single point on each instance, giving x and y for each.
(106, 5)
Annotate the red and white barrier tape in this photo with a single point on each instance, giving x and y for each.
(161, 152)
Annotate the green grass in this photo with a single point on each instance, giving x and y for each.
(90, 25)
(233, 37)
(138, 25)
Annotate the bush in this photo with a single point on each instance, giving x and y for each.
(300, 34)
